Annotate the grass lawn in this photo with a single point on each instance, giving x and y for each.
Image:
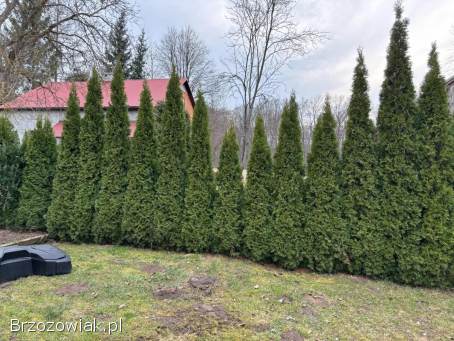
(172, 296)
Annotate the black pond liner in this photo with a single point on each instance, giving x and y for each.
(41, 260)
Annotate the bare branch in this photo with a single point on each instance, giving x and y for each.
(263, 39)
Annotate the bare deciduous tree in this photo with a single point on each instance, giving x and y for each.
(339, 106)
(72, 31)
(309, 111)
(219, 120)
(188, 53)
(264, 37)
(271, 111)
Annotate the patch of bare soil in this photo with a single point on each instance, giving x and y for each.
(5, 285)
(360, 279)
(196, 287)
(285, 299)
(169, 293)
(72, 289)
(292, 335)
(152, 268)
(8, 236)
(203, 283)
(316, 300)
(199, 319)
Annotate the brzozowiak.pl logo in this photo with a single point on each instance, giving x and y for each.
(78, 326)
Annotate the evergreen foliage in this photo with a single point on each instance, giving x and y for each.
(90, 153)
(118, 50)
(227, 222)
(288, 172)
(324, 230)
(359, 194)
(65, 180)
(258, 205)
(137, 68)
(433, 243)
(114, 166)
(397, 148)
(169, 203)
(36, 187)
(197, 229)
(11, 164)
(138, 222)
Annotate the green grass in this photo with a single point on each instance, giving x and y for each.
(109, 283)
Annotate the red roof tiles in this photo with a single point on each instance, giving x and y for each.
(55, 95)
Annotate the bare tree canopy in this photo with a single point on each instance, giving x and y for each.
(42, 40)
(188, 53)
(264, 37)
(310, 110)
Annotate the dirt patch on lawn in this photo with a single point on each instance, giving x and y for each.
(203, 283)
(169, 293)
(360, 279)
(292, 335)
(316, 300)
(72, 289)
(8, 236)
(195, 288)
(5, 285)
(199, 319)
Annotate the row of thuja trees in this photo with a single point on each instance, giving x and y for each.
(383, 209)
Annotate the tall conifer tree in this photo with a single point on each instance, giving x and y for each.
(430, 249)
(118, 50)
(397, 148)
(11, 164)
(288, 172)
(138, 221)
(109, 205)
(65, 180)
(36, 187)
(137, 69)
(359, 195)
(197, 229)
(324, 230)
(169, 204)
(90, 153)
(228, 204)
(258, 206)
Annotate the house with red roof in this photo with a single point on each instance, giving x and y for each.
(50, 101)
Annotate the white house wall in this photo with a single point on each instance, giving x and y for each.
(24, 120)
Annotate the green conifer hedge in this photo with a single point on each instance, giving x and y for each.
(114, 166)
(36, 187)
(67, 169)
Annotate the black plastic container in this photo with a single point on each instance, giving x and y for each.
(42, 260)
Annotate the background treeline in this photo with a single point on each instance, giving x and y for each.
(384, 207)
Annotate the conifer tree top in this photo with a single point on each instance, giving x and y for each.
(397, 95)
(7, 132)
(359, 106)
(324, 143)
(289, 153)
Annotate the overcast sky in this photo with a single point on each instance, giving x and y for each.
(350, 23)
